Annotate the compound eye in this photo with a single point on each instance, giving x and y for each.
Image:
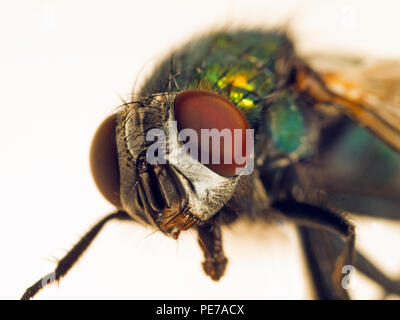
(104, 161)
(224, 150)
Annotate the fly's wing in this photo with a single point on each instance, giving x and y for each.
(362, 79)
(359, 174)
(367, 92)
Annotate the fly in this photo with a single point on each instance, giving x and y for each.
(287, 124)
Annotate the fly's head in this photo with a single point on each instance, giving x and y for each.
(172, 160)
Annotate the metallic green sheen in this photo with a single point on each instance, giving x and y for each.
(286, 124)
(244, 67)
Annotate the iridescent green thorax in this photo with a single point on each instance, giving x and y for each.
(245, 67)
(286, 124)
(242, 68)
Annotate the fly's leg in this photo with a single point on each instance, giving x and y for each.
(370, 270)
(66, 263)
(314, 240)
(210, 240)
(320, 254)
(321, 218)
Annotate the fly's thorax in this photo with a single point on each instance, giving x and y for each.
(243, 66)
(289, 130)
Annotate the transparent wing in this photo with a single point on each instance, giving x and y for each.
(368, 92)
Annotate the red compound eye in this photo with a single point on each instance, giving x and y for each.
(199, 109)
(104, 161)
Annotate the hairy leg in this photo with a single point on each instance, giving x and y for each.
(210, 240)
(320, 218)
(312, 240)
(66, 263)
(320, 254)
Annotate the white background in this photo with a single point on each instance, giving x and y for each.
(63, 66)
